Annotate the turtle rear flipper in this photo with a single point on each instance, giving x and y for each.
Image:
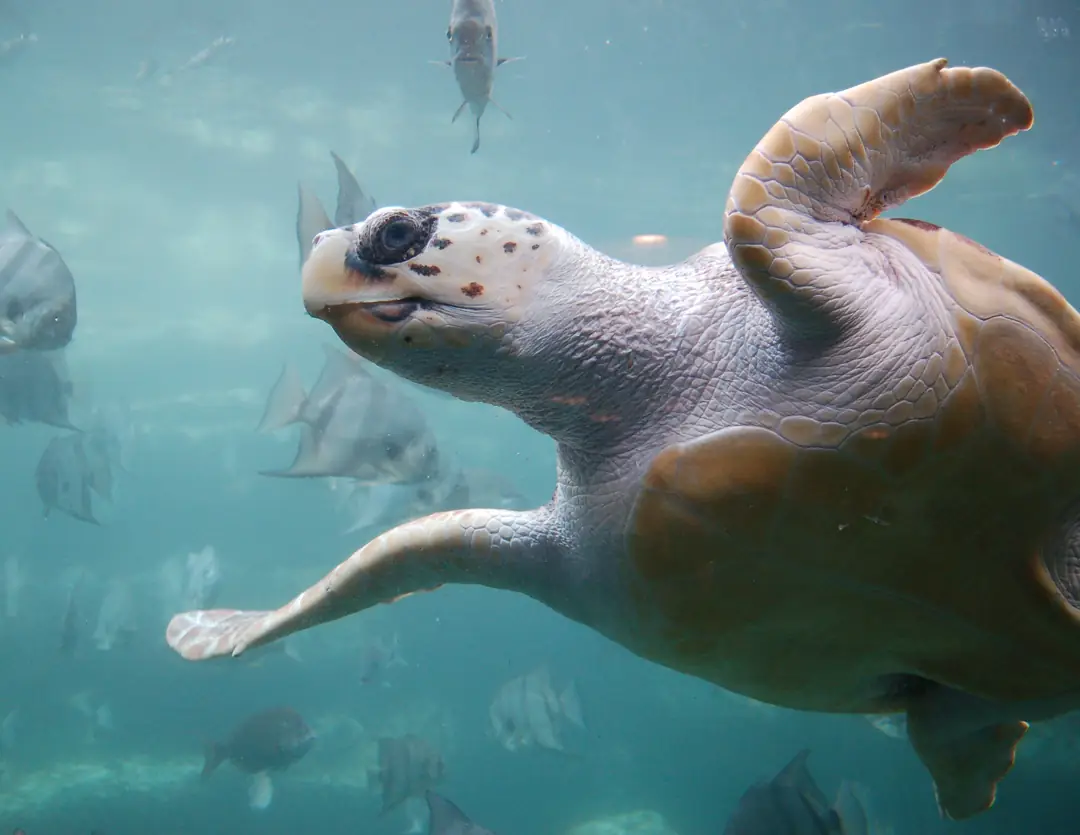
(966, 769)
(837, 160)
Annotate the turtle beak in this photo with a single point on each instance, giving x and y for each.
(334, 278)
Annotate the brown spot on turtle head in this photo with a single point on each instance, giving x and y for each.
(441, 243)
(456, 217)
(925, 225)
(486, 209)
(472, 290)
(509, 247)
(479, 260)
(535, 229)
(425, 269)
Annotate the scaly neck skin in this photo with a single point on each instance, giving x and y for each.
(607, 351)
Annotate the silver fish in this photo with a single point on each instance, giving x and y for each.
(34, 388)
(64, 479)
(447, 819)
(473, 34)
(37, 292)
(526, 712)
(792, 803)
(352, 425)
(408, 766)
(353, 206)
(116, 619)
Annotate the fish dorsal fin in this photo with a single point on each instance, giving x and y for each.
(851, 810)
(285, 405)
(311, 219)
(446, 817)
(796, 775)
(353, 204)
(13, 222)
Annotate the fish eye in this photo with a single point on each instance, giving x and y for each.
(449, 34)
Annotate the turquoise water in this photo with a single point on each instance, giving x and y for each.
(173, 201)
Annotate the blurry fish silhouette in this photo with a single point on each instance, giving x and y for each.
(13, 46)
(791, 803)
(14, 582)
(353, 206)
(452, 488)
(408, 766)
(473, 34)
(268, 741)
(37, 292)
(66, 478)
(116, 623)
(890, 724)
(447, 819)
(378, 656)
(526, 712)
(69, 626)
(34, 388)
(352, 425)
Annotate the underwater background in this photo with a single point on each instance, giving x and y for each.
(170, 189)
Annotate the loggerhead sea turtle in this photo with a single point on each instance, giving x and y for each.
(832, 463)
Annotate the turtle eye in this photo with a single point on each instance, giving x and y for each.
(396, 237)
(449, 34)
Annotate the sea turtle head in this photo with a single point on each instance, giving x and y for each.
(436, 293)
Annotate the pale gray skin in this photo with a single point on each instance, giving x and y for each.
(473, 34)
(37, 292)
(809, 314)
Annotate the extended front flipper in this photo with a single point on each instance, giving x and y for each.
(496, 548)
(836, 160)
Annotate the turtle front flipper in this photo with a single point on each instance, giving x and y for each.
(837, 160)
(497, 548)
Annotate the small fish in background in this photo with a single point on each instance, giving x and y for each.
(37, 292)
(116, 624)
(473, 34)
(206, 55)
(9, 733)
(14, 583)
(527, 712)
(408, 766)
(378, 656)
(285, 648)
(452, 488)
(146, 71)
(353, 425)
(35, 388)
(202, 579)
(891, 724)
(96, 712)
(353, 206)
(445, 818)
(69, 474)
(14, 46)
(69, 625)
(266, 742)
(793, 804)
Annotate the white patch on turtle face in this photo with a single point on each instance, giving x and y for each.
(479, 255)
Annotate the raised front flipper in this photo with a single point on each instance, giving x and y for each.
(837, 160)
(496, 548)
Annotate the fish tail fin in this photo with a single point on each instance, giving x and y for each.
(286, 401)
(571, 705)
(966, 766)
(476, 139)
(261, 791)
(458, 112)
(214, 754)
(500, 108)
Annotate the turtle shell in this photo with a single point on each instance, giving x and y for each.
(813, 565)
